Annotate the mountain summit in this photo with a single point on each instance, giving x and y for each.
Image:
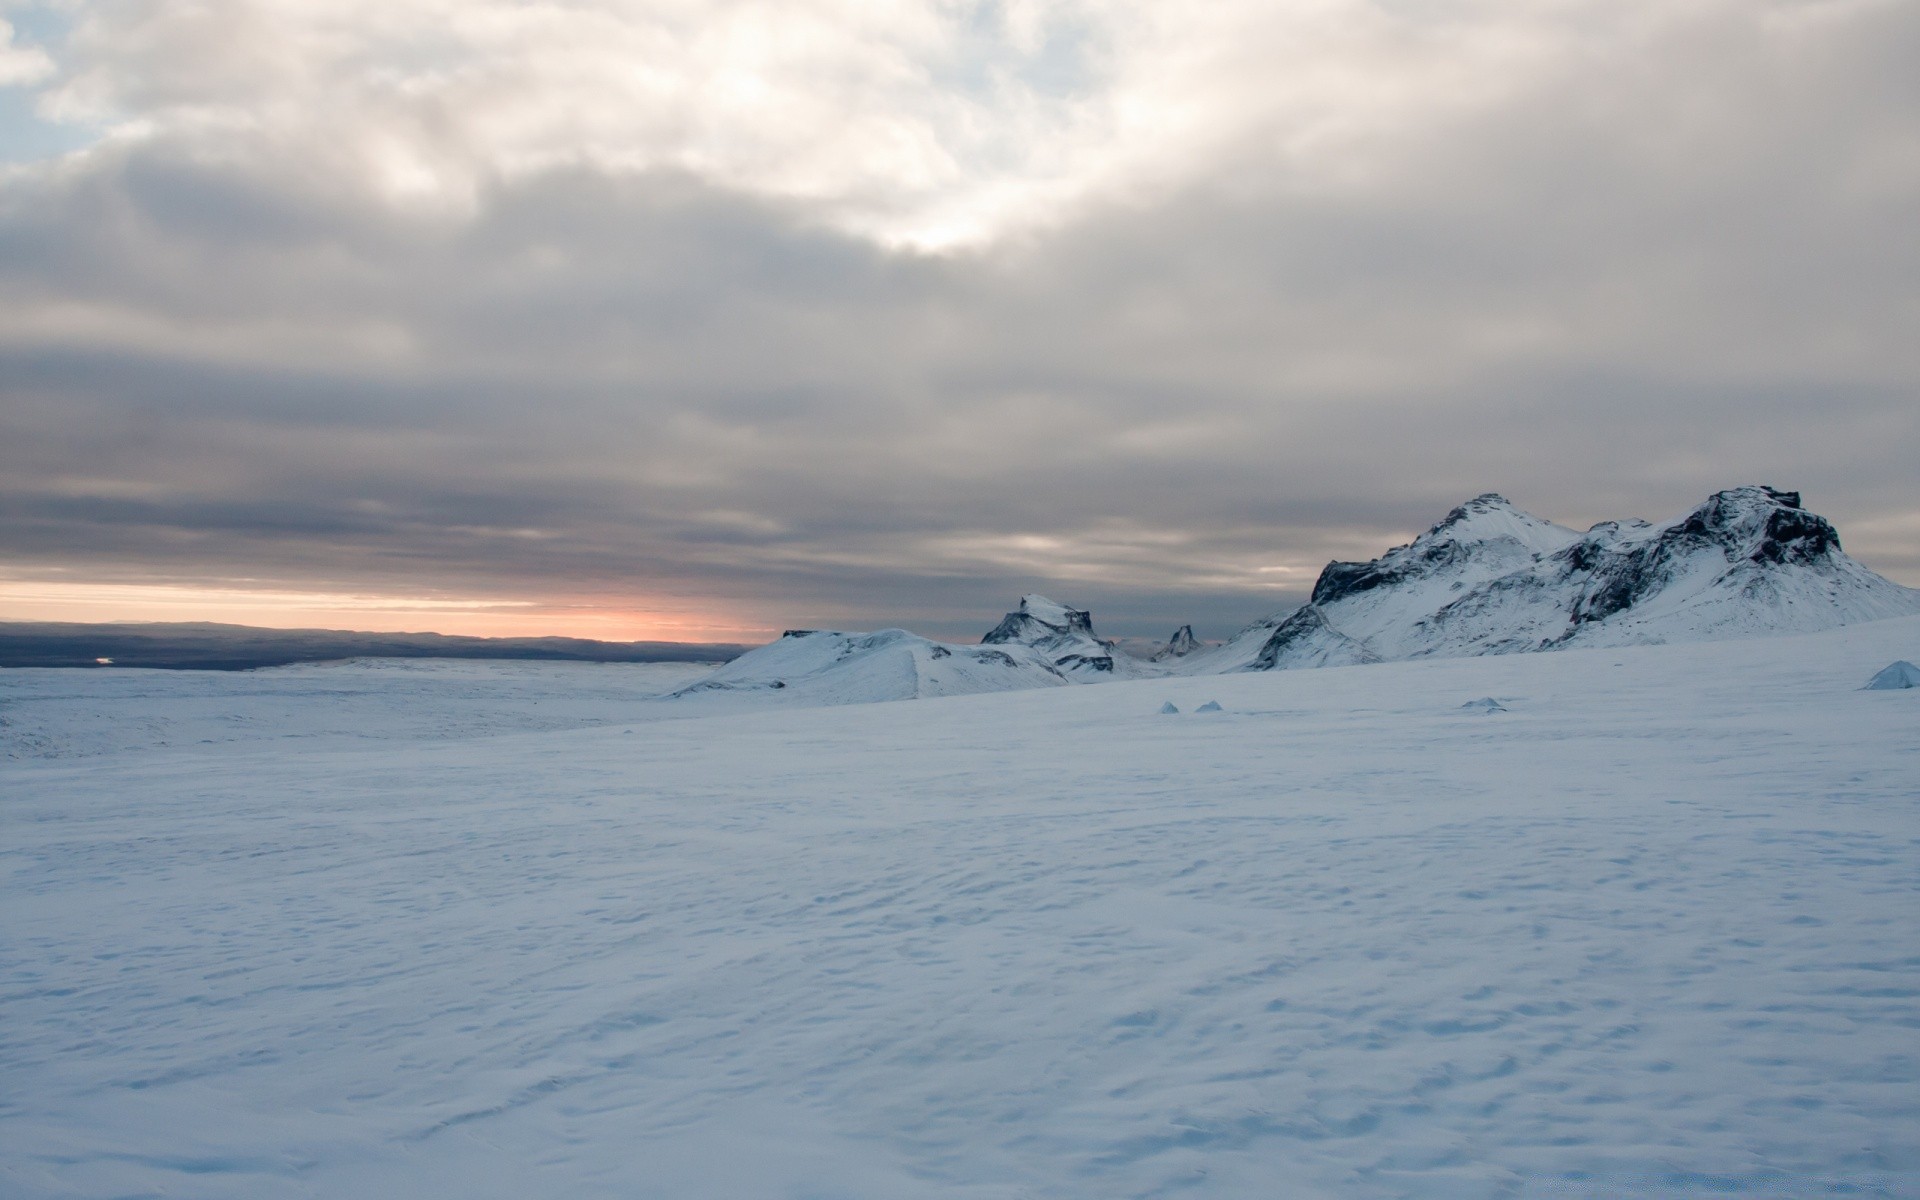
(1491, 579)
(1181, 644)
(1064, 636)
(1038, 619)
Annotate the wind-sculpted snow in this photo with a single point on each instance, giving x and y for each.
(1647, 932)
(1492, 580)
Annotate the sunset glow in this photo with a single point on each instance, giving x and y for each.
(40, 600)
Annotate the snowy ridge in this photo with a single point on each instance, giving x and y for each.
(1476, 543)
(820, 667)
(1490, 579)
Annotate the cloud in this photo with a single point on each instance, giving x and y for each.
(1219, 297)
(21, 65)
(924, 123)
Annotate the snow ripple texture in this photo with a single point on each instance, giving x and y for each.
(1650, 931)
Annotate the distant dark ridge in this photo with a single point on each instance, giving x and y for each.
(200, 646)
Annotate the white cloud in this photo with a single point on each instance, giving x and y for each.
(923, 121)
(21, 65)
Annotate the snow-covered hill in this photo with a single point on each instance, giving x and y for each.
(1490, 579)
(1039, 644)
(819, 667)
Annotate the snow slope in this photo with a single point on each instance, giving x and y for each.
(1490, 579)
(1649, 931)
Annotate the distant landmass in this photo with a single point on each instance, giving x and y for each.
(204, 646)
(1488, 579)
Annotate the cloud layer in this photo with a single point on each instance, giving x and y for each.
(870, 314)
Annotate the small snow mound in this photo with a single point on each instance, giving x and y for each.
(1168, 707)
(1210, 706)
(1894, 676)
(1485, 704)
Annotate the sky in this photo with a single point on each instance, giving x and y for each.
(702, 320)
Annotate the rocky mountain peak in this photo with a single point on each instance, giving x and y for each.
(1181, 644)
(1037, 619)
(1490, 579)
(1761, 524)
(1486, 535)
(1065, 635)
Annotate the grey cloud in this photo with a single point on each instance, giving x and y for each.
(1673, 269)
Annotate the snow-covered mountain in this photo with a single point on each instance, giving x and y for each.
(819, 667)
(1066, 638)
(1490, 579)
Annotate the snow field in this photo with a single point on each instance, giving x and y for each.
(1650, 931)
(82, 714)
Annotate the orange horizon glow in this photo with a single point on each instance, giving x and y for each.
(266, 607)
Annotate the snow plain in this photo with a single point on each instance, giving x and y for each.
(1652, 930)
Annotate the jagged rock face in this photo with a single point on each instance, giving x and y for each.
(1037, 619)
(1181, 644)
(1065, 636)
(1620, 567)
(1490, 579)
